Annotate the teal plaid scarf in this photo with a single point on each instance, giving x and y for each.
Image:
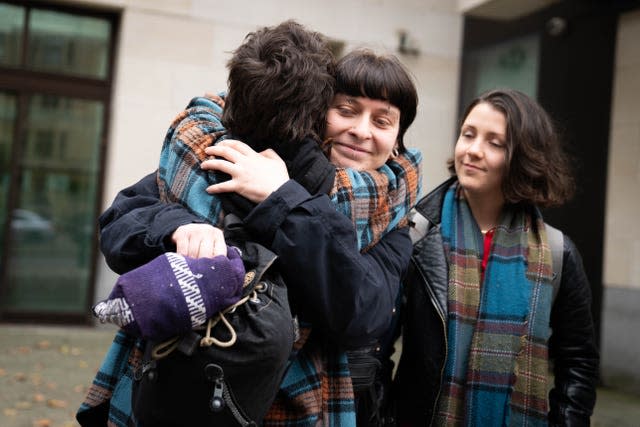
(498, 329)
(316, 388)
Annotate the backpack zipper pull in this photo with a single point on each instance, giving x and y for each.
(215, 374)
(222, 397)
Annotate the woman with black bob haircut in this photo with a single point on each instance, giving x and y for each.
(363, 73)
(497, 301)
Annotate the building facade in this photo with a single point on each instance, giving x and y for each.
(89, 87)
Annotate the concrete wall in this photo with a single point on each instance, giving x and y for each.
(622, 237)
(172, 50)
(619, 366)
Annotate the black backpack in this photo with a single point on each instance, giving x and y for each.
(234, 380)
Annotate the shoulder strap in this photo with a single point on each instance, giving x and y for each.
(556, 243)
(418, 225)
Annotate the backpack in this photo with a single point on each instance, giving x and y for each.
(229, 374)
(419, 225)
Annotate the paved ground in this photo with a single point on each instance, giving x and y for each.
(45, 371)
(620, 350)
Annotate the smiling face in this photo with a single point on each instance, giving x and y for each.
(363, 131)
(480, 152)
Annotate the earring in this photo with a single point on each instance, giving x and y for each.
(395, 153)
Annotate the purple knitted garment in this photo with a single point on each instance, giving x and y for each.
(173, 294)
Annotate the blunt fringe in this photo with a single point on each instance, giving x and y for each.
(538, 169)
(367, 74)
(280, 85)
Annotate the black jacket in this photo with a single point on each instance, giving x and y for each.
(424, 344)
(347, 296)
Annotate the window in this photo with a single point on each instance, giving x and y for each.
(510, 63)
(11, 31)
(68, 43)
(55, 79)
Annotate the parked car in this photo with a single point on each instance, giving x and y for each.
(29, 225)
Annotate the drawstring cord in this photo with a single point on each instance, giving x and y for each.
(165, 348)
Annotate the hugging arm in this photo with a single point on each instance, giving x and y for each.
(572, 346)
(348, 294)
(137, 227)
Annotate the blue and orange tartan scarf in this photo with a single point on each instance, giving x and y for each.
(317, 384)
(498, 329)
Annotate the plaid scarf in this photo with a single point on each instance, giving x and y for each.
(498, 329)
(317, 384)
(108, 400)
(378, 202)
(316, 388)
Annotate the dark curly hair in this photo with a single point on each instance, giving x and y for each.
(537, 168)
(281, 83)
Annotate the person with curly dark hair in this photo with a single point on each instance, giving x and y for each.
(288, 66)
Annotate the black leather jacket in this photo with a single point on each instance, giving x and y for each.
(572, 346)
